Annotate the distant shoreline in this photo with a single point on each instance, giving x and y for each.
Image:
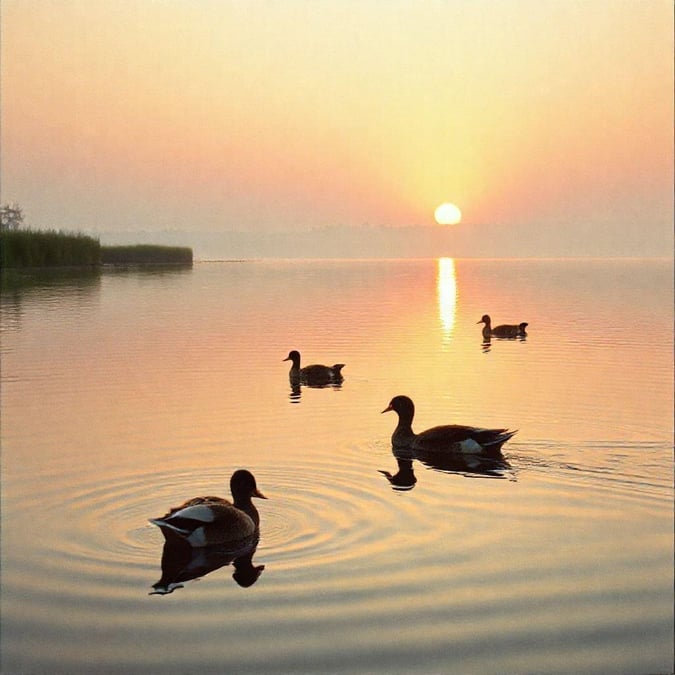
(375, 242)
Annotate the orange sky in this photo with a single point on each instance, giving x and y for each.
(257, 115)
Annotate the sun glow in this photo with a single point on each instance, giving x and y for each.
(447, 214)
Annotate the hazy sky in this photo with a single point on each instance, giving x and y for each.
(531, 115)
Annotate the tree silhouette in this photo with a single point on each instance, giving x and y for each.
(11, 217)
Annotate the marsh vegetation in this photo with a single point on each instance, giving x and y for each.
(146, 254)
(51, 248)
(48, 248)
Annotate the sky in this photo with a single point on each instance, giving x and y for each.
(548, 122)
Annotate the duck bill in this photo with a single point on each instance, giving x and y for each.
(387, 409)
(257, 493)
(288, 358)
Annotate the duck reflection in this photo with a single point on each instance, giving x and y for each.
(404, 478)
(469, 466)
(181, 563)
(487, 340)
(296, 388)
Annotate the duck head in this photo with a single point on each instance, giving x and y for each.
(293, 356)
(243, 486)
(484, 319)
(403, 435)
(402, 405)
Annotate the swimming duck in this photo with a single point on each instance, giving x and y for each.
(503, 331)
(207, 521)
(314, 374)
(446, 438)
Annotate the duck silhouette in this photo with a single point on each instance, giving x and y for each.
(315, 374)
(504, 330)
(451, 438)
(208, 521)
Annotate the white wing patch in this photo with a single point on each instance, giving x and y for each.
(470, 447)
(202, 512)
(198, 537)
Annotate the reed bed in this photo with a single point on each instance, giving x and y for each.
(47, 248)
(51, 248)
(146, 254)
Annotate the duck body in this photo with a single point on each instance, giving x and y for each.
(448, 438)
(211, 521)
(314, 374)
(504, 330)
(510, 331)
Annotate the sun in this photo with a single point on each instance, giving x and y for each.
(447, 214)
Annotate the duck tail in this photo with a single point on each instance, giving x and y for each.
(337, 368)
(161, 523)
(508, 434)
(496, 442)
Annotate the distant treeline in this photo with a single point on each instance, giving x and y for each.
(49, 248)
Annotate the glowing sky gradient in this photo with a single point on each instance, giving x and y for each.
(553, 115)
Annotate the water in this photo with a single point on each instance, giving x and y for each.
(127, 392)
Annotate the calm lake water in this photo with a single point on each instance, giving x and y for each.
(126, 392)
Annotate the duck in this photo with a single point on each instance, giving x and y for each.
(314, 374)
(210, 521)
(503, 331)
(453, 438)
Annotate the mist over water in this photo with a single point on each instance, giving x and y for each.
(377, 241)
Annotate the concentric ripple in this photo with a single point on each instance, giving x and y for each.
(325, 521)
(318, 513)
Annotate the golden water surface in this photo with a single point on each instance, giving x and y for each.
(126, 392)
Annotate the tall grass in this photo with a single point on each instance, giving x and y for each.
(145, 254)
(47, 248)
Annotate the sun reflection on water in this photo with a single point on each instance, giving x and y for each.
(447, 294)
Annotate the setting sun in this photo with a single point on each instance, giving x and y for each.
(447, 214)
